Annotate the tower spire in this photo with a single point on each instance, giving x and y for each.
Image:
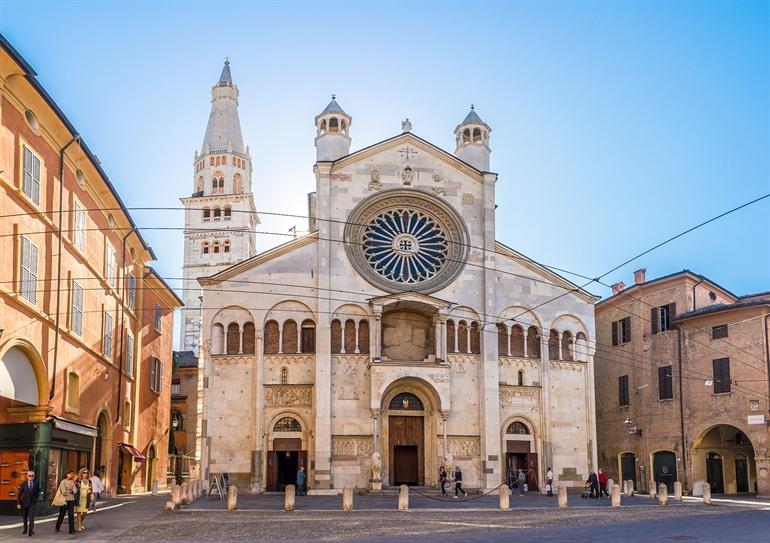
(224, 128)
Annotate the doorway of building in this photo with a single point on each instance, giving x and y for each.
(405, 465)
(664, 469)
(714, 473)
(628, 468)
(124, 471)
(406, 440)
(283, 462)
(742, 473)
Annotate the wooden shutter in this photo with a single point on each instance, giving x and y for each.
(615, 332)
(153, 372)
(671, 314)
(721, 375)
(654, 314)
(627, 328)
(623, 390)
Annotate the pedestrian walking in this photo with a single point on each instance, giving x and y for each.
(65, 501)
(603, 484)
(97, 487)
(83, 502)
(26, 499)
(442, 479)
(459, 482)
(593, 482)
(300, 480)
(521, 479)
(549, 482)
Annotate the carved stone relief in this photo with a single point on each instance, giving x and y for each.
(518, 395)
(352, 446)
(288, 395)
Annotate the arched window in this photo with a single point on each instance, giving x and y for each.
(249, 338)
(333, 125)
(350, 336)
(406, 401)
(206, 214)
(450, 336)
(199, 184)
(214, 185)
(233, 338)
(235, 161)
(520, 378)
(218, 339)
(284, 376)
(289, 337)
(533, 342)
(502, 339)
(517, 340)
(517, 427)
(363, 336)
(323, 127)
(475, 338)
(287, 424)
(462, 337)
(205, 247)
(476, 135)
(228, 213)
(553, 345)
(308, 336)
(336, 332)
(466, 136)
(217, 213)
(566, 346)
(271, 337)
(221, 185)
(237, 184)
(226, 246)
(216, 247)
(581, 347)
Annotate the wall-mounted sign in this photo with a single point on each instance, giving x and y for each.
(756, 419)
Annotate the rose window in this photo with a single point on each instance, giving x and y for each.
(404, 245)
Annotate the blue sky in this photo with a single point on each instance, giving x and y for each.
(615, 124)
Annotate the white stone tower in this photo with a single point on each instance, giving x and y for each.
(473, 141)
(332, 139)
(220, 217)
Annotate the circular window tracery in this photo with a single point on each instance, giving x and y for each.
(406, 239)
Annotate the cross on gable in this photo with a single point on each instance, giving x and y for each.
(407, 152)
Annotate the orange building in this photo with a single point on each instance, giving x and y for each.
(86, 326)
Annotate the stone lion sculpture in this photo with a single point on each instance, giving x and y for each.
(376, 466)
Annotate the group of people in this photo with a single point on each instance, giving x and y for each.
(75, 495)
(457, 477)
(597, 484)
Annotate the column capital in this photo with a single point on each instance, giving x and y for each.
(375, 413)
(444, 415)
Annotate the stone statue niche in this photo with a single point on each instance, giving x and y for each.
(406, 336)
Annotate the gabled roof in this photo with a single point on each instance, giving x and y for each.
(409, 296)
(418, 142)
(185, 359)
(683, 273)
(718, 308)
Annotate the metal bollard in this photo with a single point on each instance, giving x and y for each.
(678, 491)
(562, 496)
(403, 498)
(505, 497)
(347, 498)
(706, 494)
(615, 495)
(232, 498)
(662, 494)
(288, 500)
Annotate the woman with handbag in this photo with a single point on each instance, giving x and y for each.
(65, 498)
(84, 498)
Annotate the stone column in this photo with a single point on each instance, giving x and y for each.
(280, 338)
(505, 497)
(376, 428)
(437, 337)
(257, 381)
(289, 498)
(443, 351)
(444, 417)
(343, 335)
(653, 489)
(377, 328)
(232, 498)
(403, 498)
(240, 339)
(762, 464)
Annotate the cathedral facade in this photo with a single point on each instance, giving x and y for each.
(396, 336)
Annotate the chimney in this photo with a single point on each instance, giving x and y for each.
(640, 276)
(617, 287)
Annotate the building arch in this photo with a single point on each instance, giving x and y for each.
(723, 455)
(19, 356)
(521, 450)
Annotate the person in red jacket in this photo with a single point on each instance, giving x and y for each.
(603, 484)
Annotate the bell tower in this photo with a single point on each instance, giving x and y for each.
(473, 141)
(332, 139)
(220, 217)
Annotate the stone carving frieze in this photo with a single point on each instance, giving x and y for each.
(352, 446)
(518, 395)
(461, 446)
(288, 395)
(518, 362)
(288, 358)
(568, 365)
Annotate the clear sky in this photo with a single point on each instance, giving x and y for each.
(614, 124)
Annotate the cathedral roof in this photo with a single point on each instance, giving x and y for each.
(333, 107)
(223, 132)
(472, 118)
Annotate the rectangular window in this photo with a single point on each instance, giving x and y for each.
(623, 390)
(158, 315)
(156, 375)
(130, 355)
(721, 375)
(719, 332)
(621, 331)
(661, 318)
(665, 382)
(110, 265)
(176, 386)
(28, 270)
(76, 318)
(31, 182)
(132, 292)
(107, 339)
(80, 227)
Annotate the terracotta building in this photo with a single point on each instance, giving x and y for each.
(86, 326)
(682, 385)
(184, 415)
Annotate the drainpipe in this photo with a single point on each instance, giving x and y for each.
(75, 138)
(681, 402)
(122, 324)
(767, 354)
(693, 292)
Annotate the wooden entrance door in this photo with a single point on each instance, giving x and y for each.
(741, 474)
(406, 450)
(283, 446)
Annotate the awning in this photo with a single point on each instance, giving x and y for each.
(133, 451)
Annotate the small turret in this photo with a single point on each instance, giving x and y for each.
(332, 139)
(473, 141)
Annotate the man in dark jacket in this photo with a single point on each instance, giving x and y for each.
(26, 500)
(593, 481)
(459, 482)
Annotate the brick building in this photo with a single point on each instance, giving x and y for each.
(184, 415)
(86, 325)
(682, 384)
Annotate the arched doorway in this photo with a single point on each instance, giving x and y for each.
(520, 452)
(406, 439)
(152, 464)
(723, 456)
(628, 467)
(664, 468)
(286, 452)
